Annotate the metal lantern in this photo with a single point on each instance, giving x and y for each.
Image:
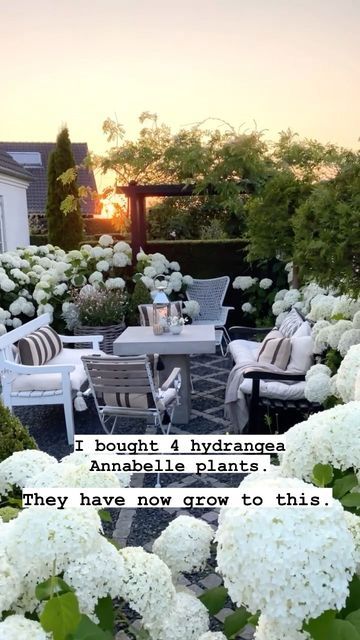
(161, 309)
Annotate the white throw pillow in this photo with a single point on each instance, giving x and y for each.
(302, 357)
(303, 330)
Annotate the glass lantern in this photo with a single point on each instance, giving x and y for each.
(161, 308)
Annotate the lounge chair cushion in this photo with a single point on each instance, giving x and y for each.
(52, 381)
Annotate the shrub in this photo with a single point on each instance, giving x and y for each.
(13, 435)
(141, 295)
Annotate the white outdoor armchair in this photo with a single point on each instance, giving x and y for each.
(56, 382)
(210, 294)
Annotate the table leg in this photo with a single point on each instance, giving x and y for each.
(183, 411)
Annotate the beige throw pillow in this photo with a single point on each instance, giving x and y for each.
(275, 349)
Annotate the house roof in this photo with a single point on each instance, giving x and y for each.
(37, 190)
(10, 167)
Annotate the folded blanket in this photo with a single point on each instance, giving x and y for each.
(236, 408)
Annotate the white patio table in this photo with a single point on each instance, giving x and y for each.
(175, 351)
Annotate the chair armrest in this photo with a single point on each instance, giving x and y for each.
(175, 374)
(26, 369)
(246, 333)
(255, 374)
(95, 340)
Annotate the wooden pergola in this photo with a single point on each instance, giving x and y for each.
(137, 194)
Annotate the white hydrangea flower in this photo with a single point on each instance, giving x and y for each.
(327, 437)
(97, 252)
(247, 307)
(86, 249)
(72, 255)
(2, 329)
(189, 619)
(291, 564)
(96, 575)
(278, 307)
(346, 307)
(188, 280)
(321, 341)
(121, 259)
(318, 388)
(60, 289)
(348, 372)
(95, 277)
(122, 247)
(192, 308)
(142, 257)
(102, 265)
(4, 315)
(356, 320)
(40, 537)
(321, 324)
(20, 276)
(244, 282)
(335, 331)
(212, 635)
(265, 283)
(148, 282)
(353, 524)
(280, 295)
(149, 272)
(7, 285)
(10, 580)
(147, 586)
(185, 544)
(291, 297)
(105, 240)
(115, 283)
(269, 629)
(174, 266)
(17, 627)
(316, 369)
(21, 466)
(16, 323)
(347, 340)
(79, 475)
(321, 307)
(45, 308)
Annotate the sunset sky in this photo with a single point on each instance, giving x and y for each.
(281, 63)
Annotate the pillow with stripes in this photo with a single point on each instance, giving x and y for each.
(291, 324)
(39, 347)
(275, 349)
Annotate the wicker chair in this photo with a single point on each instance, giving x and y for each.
(210, 295)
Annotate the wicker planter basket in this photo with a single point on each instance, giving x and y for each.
(110, 334)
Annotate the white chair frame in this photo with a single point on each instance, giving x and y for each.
(9, 369)
(210, 294)
(130, 374)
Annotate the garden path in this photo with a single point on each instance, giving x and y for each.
(142, 526)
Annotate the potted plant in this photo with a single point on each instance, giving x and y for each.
(97, 311)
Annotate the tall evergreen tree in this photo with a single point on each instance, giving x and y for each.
(64, 229)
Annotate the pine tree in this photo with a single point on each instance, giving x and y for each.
(64, 229)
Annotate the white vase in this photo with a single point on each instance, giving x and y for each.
(175, 328)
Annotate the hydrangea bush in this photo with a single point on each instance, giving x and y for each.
(44, 279)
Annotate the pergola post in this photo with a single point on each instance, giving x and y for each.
(137, 217)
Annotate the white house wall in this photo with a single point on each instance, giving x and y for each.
(16, 220)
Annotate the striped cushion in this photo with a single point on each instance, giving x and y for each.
(39, 347)
(275, 349)
(131, 400)
(291, 323)
(147, 313)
